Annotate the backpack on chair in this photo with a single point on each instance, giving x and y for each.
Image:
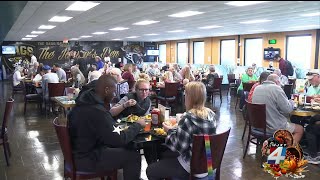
(289, 68)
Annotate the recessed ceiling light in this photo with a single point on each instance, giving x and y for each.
(305, 26)
(46, 27)
(74, 39)
(311, 14)
(175, 31)
(37, 32)
(255, 21)
(186, 14)
(209, 27)
(99, 33)
(152, 34)
(146, 22)
(244, 3)
(85, 36)
(26, 38)
(118, 29)
(30, 36)
(116, 39)
(131, 37)
(81, 6)
(60, 18)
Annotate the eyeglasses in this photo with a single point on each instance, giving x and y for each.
(142, 90)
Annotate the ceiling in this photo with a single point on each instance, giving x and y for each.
(110, 14)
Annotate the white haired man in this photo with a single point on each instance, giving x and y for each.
(283, 78)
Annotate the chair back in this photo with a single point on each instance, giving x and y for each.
(231, 76)
(65, 143)
(217, 83)
(118, 88)
(257, 116)
(292, 81)
(288, 90)
(171, 89)
(56, 89)
(7, 111)
(247, 86)
(198, 162)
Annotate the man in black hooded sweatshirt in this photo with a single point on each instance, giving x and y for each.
(97, 143)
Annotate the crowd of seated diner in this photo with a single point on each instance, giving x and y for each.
(96, 145)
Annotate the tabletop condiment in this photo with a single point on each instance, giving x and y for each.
(155, 116)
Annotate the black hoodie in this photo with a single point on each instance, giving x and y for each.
(91, 127)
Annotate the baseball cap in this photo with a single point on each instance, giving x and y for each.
(46, 67)
(311, 73)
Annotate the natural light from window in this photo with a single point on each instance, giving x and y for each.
(163, 53)
(253, 52)
(299, 51)
(182, 53)
(198, 52)
(228, 52)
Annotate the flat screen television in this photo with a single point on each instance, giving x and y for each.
(8, 50)
(269, 53)
(152, 52)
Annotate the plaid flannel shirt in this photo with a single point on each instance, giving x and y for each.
(180, 139)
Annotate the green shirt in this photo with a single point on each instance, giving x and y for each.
(313, 91)
(246, 78)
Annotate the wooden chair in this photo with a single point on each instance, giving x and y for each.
(216, 88)
(288, 90)
(30, 98)
(257, 125)
(198, 162)
(232, 83)
(245, 118)
(4, 140)
(168, 94)
(246, 89)
(293, 82)
(55, 89)
(70, 169)
(16, 89)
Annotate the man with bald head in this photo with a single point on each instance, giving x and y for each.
(97, 142)
(278, 107)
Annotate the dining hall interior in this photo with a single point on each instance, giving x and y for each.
(126, 90)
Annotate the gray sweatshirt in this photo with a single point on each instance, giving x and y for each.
(278, 106)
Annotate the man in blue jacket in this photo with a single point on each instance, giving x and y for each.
(97, 143)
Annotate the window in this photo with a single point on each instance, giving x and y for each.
(253, 52)
(299, 51)
(198, 52)
(163, 53)
(227, 52)
(182, 53)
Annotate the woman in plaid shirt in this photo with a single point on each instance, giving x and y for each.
(197, 120)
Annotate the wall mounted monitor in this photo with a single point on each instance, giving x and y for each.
(8, 50)
(269, 53)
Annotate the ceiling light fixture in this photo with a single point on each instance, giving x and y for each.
(31, 36)
(85, 36)
(209, 27)
(152, 34)
(116, 39)
(311, 14)
(244, 3)
(255, 21)
(146, 22)
(37, 32)
(74, 39)
(81, 6)
(46, 27)
(118, 29)
(60, 18)
(176, 31)
(99, 33)
(186, 14)
(26, 38)
(132, 37)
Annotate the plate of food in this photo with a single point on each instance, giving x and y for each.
(284, 137)
(159, 132)
(131, 118)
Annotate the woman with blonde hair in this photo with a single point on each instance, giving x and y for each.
(144, 76)
(187, 74)
(197, 120)
(137, 102)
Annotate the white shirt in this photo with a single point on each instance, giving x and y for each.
(17, 78)
(33, 60)
(93, 75)
(106, 59)
(48, 78)
(61, 74)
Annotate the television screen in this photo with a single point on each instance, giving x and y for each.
(270, 53)
(152, 52)
(8, 50)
